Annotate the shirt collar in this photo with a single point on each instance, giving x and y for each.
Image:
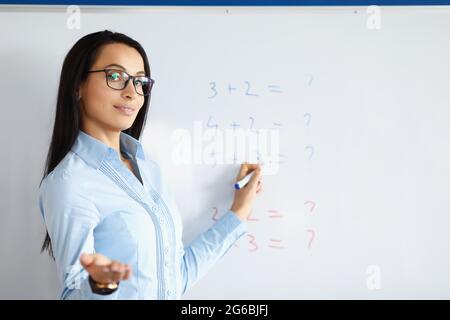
(94, 151)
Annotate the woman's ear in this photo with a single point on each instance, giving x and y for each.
(79, 93)
(78, 97)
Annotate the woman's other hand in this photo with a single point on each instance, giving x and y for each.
(244, 197)
(104, 270)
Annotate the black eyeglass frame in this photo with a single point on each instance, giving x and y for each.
(151, 81)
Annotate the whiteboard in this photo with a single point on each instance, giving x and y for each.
(359, 207)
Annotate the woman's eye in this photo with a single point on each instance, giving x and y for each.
(141, 82)
(115, 76)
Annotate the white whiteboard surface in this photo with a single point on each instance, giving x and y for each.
(373, 105)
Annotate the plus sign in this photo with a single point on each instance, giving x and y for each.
(230, 88)
(235, 125)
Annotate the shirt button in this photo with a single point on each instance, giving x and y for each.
(167, 264)
(161, 219)
(154, 208)
(166, 250)
(169, 292)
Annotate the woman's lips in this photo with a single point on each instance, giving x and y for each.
(125, 110)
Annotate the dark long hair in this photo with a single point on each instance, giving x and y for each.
(78, 61)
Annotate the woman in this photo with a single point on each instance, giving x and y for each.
(113, 227)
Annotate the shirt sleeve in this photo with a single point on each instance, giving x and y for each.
(201, 255)
(70, 218)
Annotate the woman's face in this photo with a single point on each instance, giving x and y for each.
(99, 103)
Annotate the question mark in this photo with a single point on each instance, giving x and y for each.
(312, 151)
(313, 235)
(312, 203)
(251, 122)
(308, 116)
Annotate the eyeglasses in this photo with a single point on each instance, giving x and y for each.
(118, 80)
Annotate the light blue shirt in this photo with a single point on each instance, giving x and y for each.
(91, 202)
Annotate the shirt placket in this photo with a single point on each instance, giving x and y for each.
(166, 221)
(120, 175)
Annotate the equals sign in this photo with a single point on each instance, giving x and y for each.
(274, 88)
(274, 214)
(277, 125)
(276, 244)
(282, 158)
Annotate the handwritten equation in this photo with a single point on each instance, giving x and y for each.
(259, 143)
(253, 243)
(244, 88)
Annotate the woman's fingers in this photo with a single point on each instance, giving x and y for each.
(113, 273)
(104, 270)
(93, 263)
(86, 259)
(118, 271)
(101, 260)
(243, 197)
(127, 272)
(246, 168)
(256, 178)
(259, 188)
(242, 171)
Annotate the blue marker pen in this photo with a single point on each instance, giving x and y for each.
(243, 182)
